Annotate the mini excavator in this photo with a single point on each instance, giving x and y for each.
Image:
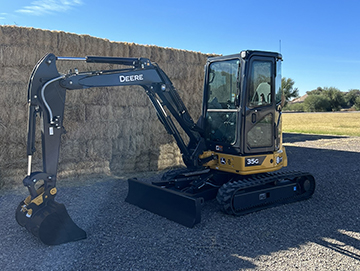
(233, 152)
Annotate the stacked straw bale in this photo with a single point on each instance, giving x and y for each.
(110, 130)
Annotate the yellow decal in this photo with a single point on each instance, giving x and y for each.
(53, 191)
(38, 200)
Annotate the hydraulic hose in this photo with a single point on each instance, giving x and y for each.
(43, 96)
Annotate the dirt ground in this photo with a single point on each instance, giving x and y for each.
(322, 233)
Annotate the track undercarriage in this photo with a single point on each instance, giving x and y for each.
(181, 193)
(262, 191)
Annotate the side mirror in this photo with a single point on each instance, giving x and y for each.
(237, 100)
(282, 100)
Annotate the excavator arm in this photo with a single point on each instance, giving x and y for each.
(46, 97)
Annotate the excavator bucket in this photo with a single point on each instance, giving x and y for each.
(168, 203)
(49, 221)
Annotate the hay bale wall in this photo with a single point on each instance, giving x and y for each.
(109, 130)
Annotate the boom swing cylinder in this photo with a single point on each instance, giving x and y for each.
(230, 150)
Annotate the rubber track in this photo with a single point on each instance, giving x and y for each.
(227, 192)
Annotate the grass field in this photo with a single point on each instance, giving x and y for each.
(337, 123)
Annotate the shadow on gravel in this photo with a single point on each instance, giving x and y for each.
(124, 237)
(331, 217)
(344, 242)
(293, 137)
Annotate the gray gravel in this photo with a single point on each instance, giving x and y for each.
(322, 233)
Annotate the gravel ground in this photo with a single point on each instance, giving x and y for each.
(322, 233)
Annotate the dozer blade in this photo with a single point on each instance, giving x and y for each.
(168, 203)
(50, 222)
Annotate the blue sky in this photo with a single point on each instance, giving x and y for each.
(320, 40)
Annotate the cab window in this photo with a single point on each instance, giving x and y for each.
(260, 84)
(222, 88)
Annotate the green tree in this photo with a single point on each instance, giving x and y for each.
(297, 107)
(336, 98)
(351, 96)
(287, 86)
(357, 103)
(317, 91)
(317, 103)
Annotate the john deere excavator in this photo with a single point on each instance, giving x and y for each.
(233, 152)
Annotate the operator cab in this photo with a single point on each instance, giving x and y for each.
(242, 103)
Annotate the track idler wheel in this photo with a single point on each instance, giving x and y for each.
(306, 185)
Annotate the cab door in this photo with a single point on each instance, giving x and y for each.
(260, 106)
(221, 105)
